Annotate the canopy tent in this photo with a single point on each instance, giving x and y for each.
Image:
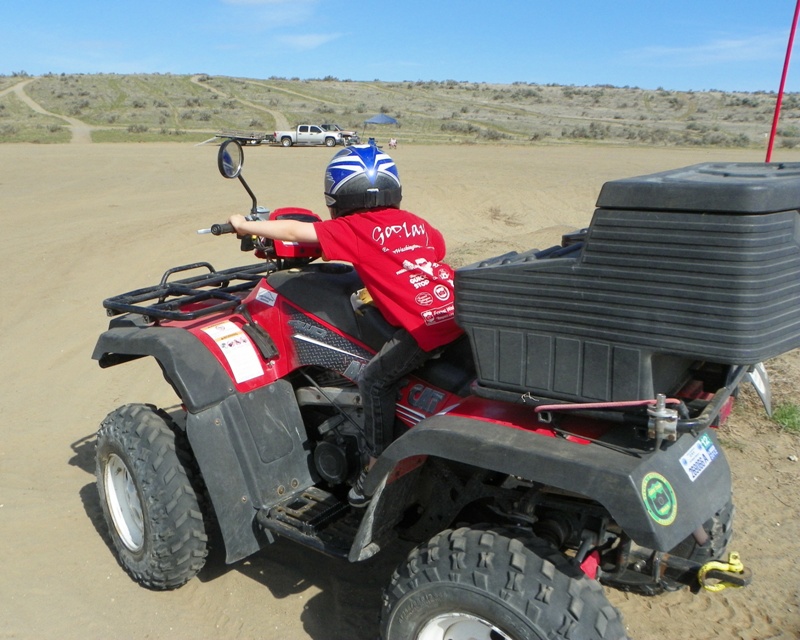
(381, 118)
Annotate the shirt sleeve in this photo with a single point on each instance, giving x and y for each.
(336, 239)
(437, 241)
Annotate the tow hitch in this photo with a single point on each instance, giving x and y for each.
(715, 576)
(712, 576)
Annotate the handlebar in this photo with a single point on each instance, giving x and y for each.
(218, 229)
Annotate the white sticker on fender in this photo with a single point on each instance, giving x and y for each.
(698, 457)
(237, 349)
(267, 297)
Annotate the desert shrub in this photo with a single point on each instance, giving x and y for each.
(459, 127)
(138, 128)
(789, 132)
(595, 131)
(494, 135)
(255, 123)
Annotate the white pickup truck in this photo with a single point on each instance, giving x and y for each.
(350, 137)
(309, 134)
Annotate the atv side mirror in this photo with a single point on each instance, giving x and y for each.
(230, 159)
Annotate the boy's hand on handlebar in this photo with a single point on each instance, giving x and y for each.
(285, 230)
(236, 220)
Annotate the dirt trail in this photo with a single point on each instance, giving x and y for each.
(280, 120)
(81, 132)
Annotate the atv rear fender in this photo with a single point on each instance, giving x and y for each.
(650, 496)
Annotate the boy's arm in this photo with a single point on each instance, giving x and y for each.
(286, 230)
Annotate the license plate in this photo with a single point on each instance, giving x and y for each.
(699, 456)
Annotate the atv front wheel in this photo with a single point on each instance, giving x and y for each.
(493, 584)
(148, 501)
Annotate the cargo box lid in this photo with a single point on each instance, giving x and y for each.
(712, 187)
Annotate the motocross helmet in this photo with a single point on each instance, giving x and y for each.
(361, 177)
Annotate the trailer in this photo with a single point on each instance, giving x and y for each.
(251, 138)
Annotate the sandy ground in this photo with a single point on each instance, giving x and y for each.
(83, 222)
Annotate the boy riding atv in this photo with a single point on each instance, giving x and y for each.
(567, 441)
(398, 256)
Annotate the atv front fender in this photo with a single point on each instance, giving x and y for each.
(253, 452)
(251, 448)
(651, 495)
(197, 377)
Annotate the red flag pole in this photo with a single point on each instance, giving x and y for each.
(783, 83)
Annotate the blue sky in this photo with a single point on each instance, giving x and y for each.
(680, 45)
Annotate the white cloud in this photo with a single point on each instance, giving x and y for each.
(305, 42)
(274, 14)
(719, 51)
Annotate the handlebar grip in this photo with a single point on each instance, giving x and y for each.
(219, 229)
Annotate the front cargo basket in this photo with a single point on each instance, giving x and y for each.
(189, 298)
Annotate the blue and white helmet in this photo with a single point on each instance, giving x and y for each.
(361, 177)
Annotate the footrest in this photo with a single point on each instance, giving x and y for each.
(314, 518)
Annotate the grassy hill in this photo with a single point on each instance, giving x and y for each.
(192, 108)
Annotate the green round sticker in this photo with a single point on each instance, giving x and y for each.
(659, 498)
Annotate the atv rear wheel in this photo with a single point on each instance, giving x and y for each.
(148, 501)
(492, 584)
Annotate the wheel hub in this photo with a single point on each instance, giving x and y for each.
(124, 503)
(460, 626)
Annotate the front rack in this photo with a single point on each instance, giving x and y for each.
(182, 299)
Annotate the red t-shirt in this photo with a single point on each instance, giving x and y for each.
(398, 256)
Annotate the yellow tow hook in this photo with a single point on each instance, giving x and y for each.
(724, 574)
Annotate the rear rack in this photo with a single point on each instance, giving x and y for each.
(178, 299)
(693, 418)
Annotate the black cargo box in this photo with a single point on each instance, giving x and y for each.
(699, 264)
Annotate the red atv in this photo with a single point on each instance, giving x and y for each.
(567, 441)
